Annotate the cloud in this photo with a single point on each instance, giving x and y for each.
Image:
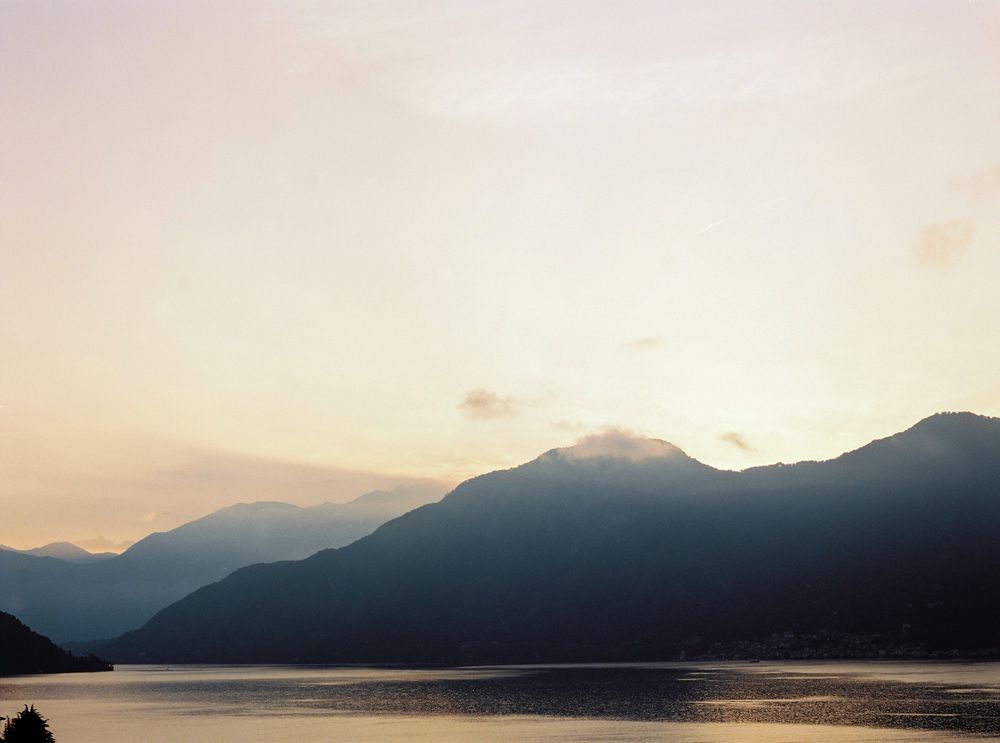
(979, 186)
(942, 243)
(462, 60)
(648, 343)
(736, 439)
(482, 404)
(620, 443)
(509, 85)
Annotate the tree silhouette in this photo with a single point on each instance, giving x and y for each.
(27, 727)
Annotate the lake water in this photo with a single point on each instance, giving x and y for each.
(693, 702)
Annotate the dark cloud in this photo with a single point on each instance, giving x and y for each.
(942, 243)
(482, 404)
(649, 343)
(736, 439)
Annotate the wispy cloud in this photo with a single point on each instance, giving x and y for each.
(482, 404)
(600, 87)
(979, 186)
(736, 439)
(461, 60)
(648, 343)
(620, 443)
(942, 243)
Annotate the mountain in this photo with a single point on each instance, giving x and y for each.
(623, 549)
(23, 651)
(62, 551)
(101, 544)
(87, 601)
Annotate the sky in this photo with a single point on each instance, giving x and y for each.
(294, 251)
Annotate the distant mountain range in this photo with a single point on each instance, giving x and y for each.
(625, 549)
(23, 651)
(62, 551)
(103, 544)
(93, 599)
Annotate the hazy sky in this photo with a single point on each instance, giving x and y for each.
(296, 250)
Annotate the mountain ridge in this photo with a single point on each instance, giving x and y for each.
(90, 601)
(61, 551)
(603, 558)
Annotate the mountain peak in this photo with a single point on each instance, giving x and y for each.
(953, 420)
(619, 443)
(947, 430)
(60, 551)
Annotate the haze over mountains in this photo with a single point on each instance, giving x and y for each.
(87, 600)
(103, 544)
(629, 549)
(62, 551)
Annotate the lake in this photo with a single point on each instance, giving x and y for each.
(778, 702)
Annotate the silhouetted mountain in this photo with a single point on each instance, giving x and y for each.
(103, 599)
(62, 551)
(23, 651)
(629, 549)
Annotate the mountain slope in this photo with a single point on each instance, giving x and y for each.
(629, 551)
(23, 651)
(102, 599)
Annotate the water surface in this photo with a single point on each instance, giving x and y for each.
(693, 702)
